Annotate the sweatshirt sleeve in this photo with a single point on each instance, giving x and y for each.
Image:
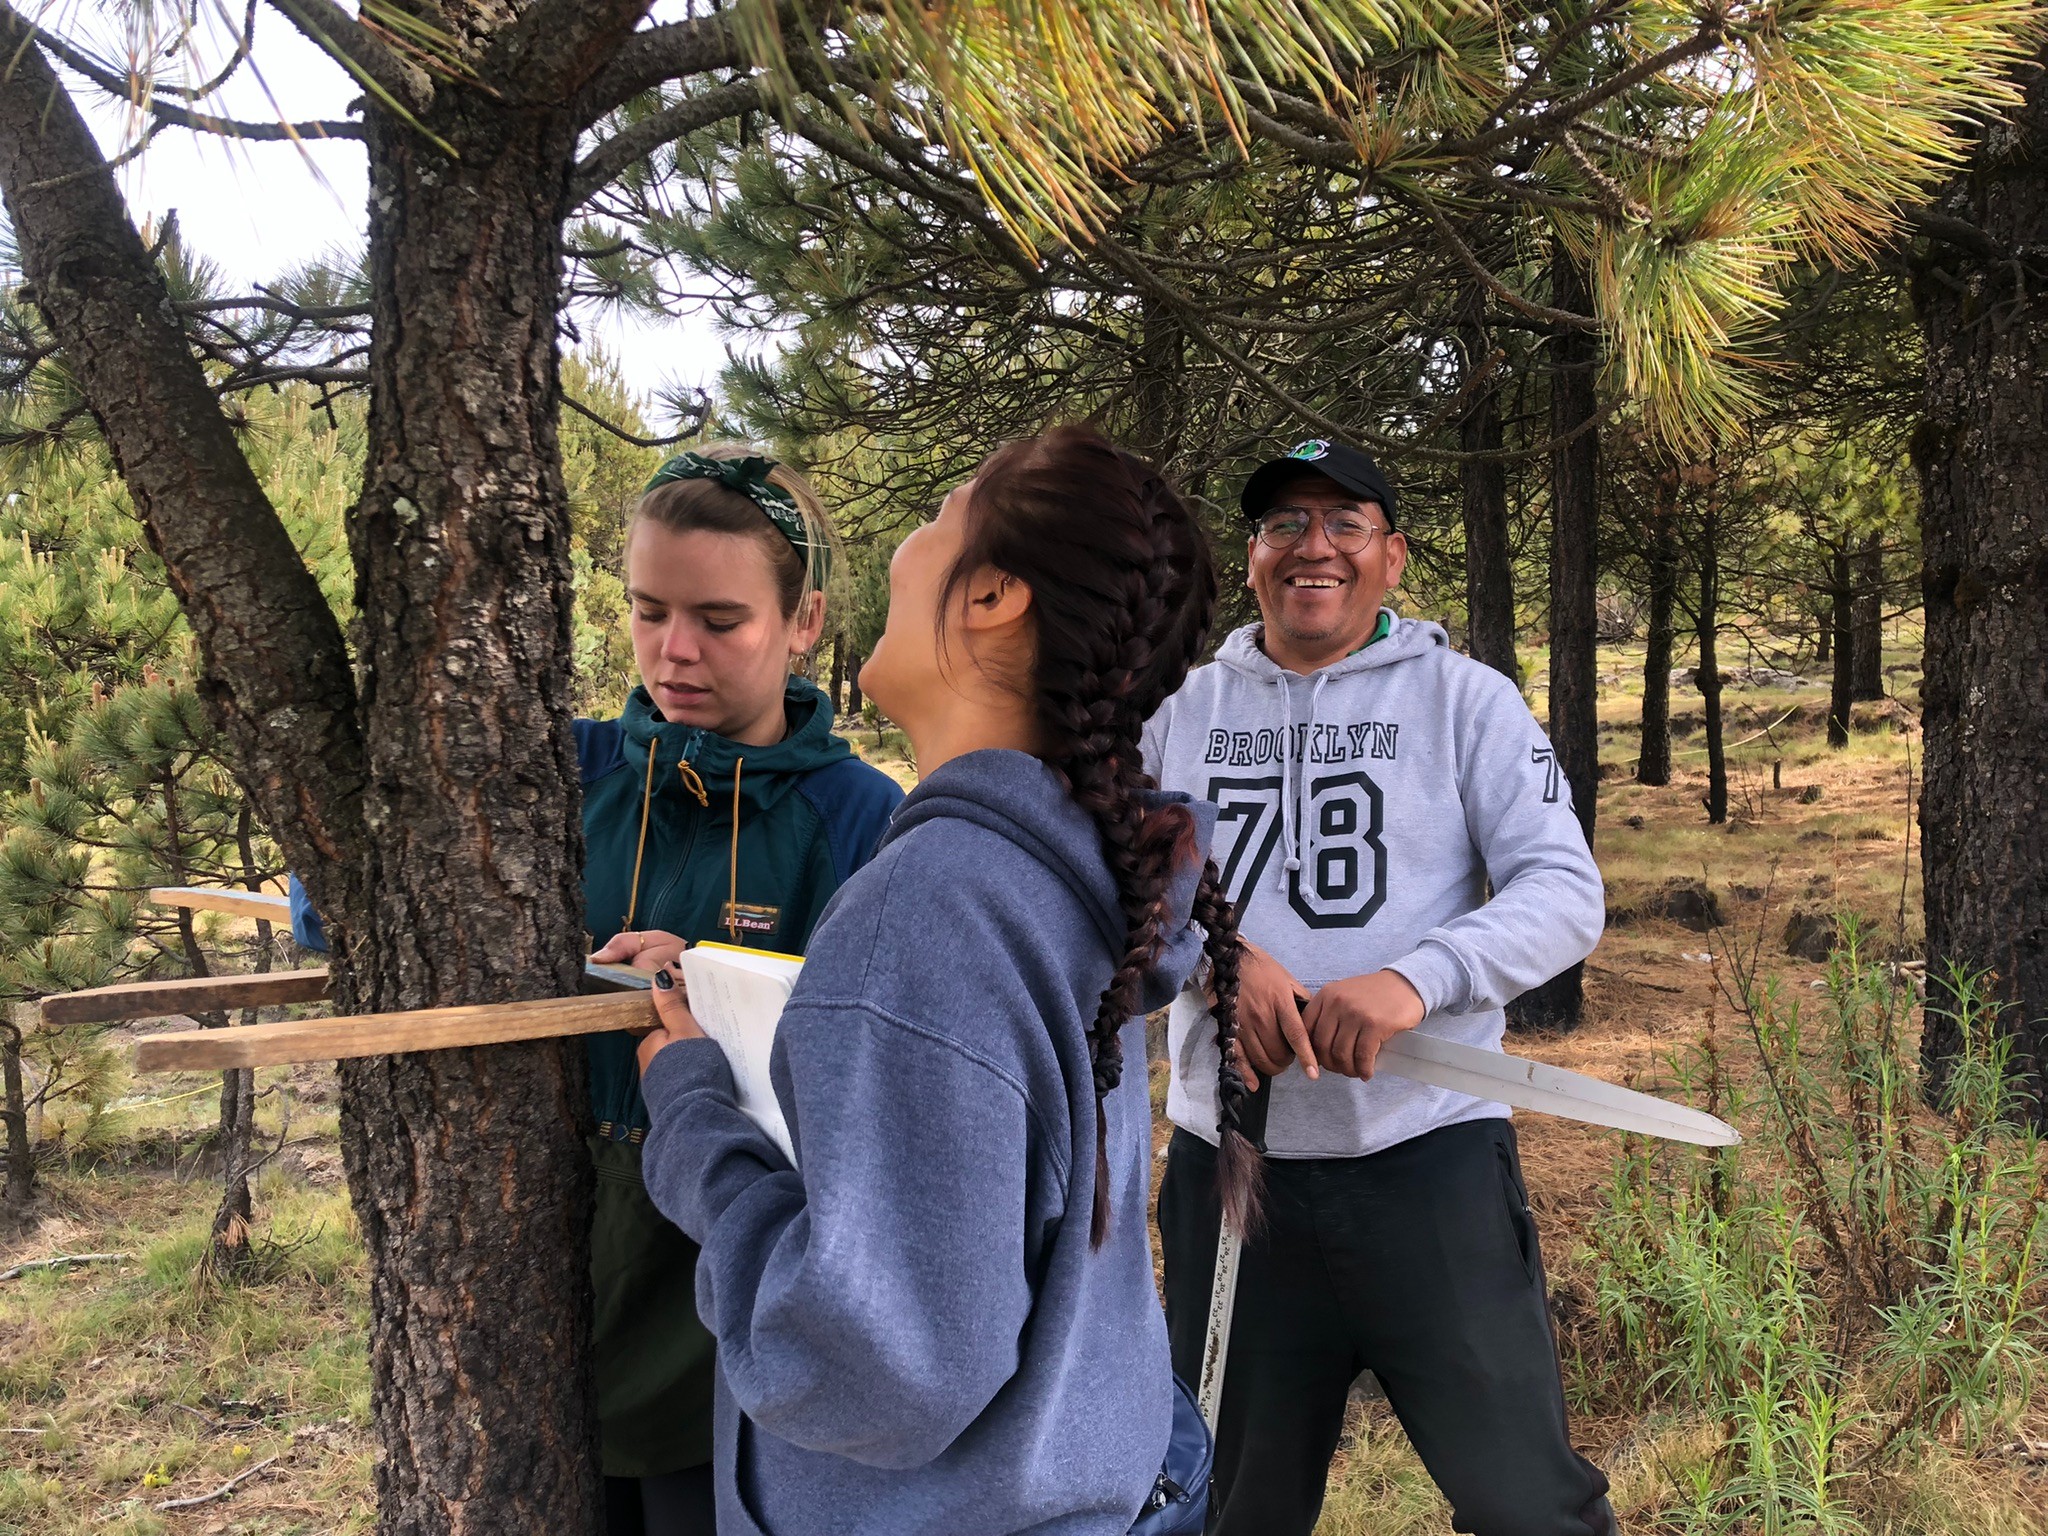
(1548, 905)
(871, 1304)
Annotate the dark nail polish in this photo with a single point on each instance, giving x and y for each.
(663, 980)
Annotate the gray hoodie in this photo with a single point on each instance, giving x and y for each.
(1362, 814)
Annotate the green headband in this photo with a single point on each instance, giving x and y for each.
(750, 478)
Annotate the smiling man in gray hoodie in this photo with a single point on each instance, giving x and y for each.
(1373, 786)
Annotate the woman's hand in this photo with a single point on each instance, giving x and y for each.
(647, 949)
(672, 1008)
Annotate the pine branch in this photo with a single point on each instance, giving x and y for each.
(612, 158)
(130, 88)
(655, 55)
(276, 672)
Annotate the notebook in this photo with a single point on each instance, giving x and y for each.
(736, 996)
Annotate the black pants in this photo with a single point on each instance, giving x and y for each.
(674, 1504)
(1418, 1263)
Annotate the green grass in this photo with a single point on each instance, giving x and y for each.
(149, 1381)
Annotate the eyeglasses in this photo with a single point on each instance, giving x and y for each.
(1348, 529)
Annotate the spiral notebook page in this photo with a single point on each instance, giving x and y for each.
(737, 997)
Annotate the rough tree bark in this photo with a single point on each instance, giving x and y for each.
(1574, 618)
(1158, 392)
(1489, 575)
(1653, 759)
(1866, 619)
(1842, 680)
(433, 815)
(1982, 454)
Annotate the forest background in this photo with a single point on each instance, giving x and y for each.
(1733, 590)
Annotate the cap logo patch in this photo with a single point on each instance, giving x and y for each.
(1314, 448)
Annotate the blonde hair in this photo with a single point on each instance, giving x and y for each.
(685, 506)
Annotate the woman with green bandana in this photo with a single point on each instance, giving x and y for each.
(719, 805)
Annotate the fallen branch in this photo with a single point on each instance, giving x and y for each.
(1634, 980)
(222, 1491)
(59, 1262)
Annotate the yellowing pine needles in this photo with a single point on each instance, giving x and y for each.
(1787, 128)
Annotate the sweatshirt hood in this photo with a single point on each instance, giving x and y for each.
(765, 773)
(1022, 799)
(1404, 640)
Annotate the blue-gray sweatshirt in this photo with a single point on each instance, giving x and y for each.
(913, 1334)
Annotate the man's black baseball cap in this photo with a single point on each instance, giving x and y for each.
(1318, 456)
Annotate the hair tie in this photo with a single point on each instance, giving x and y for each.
(749, 477)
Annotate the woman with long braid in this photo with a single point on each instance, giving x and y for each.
(943, 1319)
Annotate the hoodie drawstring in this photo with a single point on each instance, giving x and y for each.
(1296, 823)
(732, 889)
(694, 785)
(1288, 833)
(640, 847)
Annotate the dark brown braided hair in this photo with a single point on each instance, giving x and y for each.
(1123, 591)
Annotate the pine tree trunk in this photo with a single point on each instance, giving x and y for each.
(1489, 576)
(1842, 681)
(853, 699)
(1866, 619)
(1653, 757)
(468, 1168)
(1574, 620)
(1982, 454)
(1708, 627)
(21, 1152)
(228, 1248)
(838, 673)
(422, 779)
(1159, 383)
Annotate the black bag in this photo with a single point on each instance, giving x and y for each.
(1178, 1504)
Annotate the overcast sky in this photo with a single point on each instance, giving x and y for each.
(258, 209)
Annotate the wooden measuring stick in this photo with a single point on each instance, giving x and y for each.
(264, 904)
(187, 994)
(391, 1034)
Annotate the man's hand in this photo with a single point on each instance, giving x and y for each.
(647, 949)
(672, 1007)
(1270, 1031)
(1349, 1020)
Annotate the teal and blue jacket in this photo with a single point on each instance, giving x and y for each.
(660, 802)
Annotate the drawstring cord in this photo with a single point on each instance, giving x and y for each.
(1295, 822)
(732, 889)
(640, 847)
(1290, 833)
(691, 782)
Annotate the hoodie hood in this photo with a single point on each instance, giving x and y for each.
(1404, 640)
(1025, 801)
(765, 773)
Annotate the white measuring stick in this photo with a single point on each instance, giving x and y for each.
(1546, 1089)
(1223, 1289)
